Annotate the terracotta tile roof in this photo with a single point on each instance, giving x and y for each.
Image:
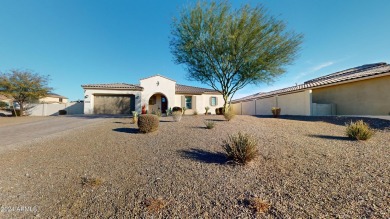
(184, 89)
(113, 86)
(360, 72)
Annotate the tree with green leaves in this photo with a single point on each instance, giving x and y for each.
(24, 87)
(228, 49)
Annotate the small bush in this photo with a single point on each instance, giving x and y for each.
(184, 110)
(91, 181)
(240, 148)
(154, 205)
(62, 112)
(195, 113)
(176, 109)
(359, 130)
(147, 123)
(219, 111)
(209, 124)
(229, 115)
(177, 116)
(258, 205)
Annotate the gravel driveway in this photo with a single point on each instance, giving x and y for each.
(17, 131)
(307, 169)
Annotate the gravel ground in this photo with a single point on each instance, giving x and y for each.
(307, 169)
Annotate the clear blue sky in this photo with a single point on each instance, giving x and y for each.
(103, 41)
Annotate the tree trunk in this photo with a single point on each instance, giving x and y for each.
(21, 110)
(225, 104)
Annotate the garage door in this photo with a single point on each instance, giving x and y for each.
(114, 104)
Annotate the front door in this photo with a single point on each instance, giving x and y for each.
(164, 104)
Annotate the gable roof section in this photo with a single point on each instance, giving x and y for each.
(55, 95)
(184, 89)
(113, 86)
(157, 75)
(345, 76)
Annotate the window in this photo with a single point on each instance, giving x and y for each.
(188, 102)
(152, 100)
(60, 100)
(213, 101)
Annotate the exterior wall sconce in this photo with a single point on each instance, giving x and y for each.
(86, 96)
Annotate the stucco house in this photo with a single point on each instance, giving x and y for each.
(362, 90)
(154, 93)
(53, 98)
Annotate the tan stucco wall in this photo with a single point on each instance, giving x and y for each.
(366, 97)
(201, 101)
(295, 103)
(291, 104)
(164, 86)
(52, 100)
(264, 106)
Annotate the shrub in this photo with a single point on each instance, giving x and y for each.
(258, 205)
(359, 130)
(209, 124)
(155, 205)
(135, 116)
(169, 111)
(229, 115)
(219, 111)
(62, 112)
(177, 116)
(91, 181)
(176, 108)
(184, 110)
(147, 123)
(195, 113)
(276, 111)
(207, 110)
(240, 148)
(3, 105)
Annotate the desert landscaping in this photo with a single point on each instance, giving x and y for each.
(306, 168)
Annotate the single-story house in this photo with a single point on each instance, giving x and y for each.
(155, 93)
(363, 90)
(53, 98)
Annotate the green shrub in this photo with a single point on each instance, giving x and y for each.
(359, 130)
(184, 110)
(207, 110)
(195, 113)
(240, 148)
(219, 111)
(229, 115)
(177, 116)
(176, 108)
(169, 111)
(147, 123)
(209, 124)
(3, 105)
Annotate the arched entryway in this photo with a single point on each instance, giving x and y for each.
(158, 102)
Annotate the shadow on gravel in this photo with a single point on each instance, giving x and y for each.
(342, 138)
(126, 130)
(166, 121)
(203, 156)
(375, 123)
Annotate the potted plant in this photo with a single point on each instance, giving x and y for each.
(207, 110)
(276, 111)
(135, 117)
(184, 110)
(143, 109)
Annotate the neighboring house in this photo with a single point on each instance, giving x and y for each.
(53, 98)
(154, 93)
(363, 90)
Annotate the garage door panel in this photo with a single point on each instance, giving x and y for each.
(113, 104)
